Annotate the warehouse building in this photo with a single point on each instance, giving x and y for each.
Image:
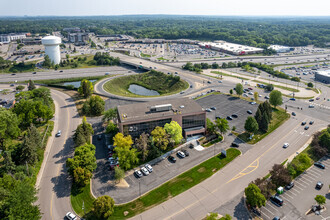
(280, 48)
(134, 119)
(323, 76)
(230, 48)
(7, 38)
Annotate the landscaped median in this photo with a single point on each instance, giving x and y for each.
(164, 192)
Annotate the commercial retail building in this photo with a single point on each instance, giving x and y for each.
(134, 119)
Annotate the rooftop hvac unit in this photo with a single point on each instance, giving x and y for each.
(161, 108)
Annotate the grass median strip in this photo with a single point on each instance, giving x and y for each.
(226, 74)
(175, 186)
(278, 86)
(81, 197)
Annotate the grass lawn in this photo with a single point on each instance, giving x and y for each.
(226, 74)
(160, 82)
(298, 97)
(213, 142)
(278, 86)
(279, 117)
(80, 196)
(175, 186)
(145, 55)
(162, 58)
(211, 93)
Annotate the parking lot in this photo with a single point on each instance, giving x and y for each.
(226, 106)
(299, 199)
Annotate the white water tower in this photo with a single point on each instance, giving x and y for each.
(52, 48)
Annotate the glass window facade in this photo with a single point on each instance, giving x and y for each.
(135, 130)
(193, 121)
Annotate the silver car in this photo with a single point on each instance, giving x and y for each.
(145, 171)
(148, 167)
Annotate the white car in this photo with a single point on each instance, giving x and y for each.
(181, 154)
(286, 145)
(70, 216)
(58, 134)
(253, 103)
(148, 167)
(145, 171)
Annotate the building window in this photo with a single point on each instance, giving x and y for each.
(193, 121)
(135, 130)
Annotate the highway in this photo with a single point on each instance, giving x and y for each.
(53, 181)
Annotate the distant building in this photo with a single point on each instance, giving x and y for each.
(31, 41)
(230, 48)
(323, 76)
(7, 38)
(78, 38)
(74, 29)
(280, 48)
(115, 37)
(134, 119)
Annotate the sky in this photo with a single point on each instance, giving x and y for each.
(174, 7)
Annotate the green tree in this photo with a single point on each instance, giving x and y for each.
(20, 88)
(103, 207)
(239, 89)
(86, 88)
(231, 91)
(94, 106)
(174, 130)
(325, 140)
(47, 62)
(119, 174)
(110, 114)
(251, 125)
(275, 98)
(160, 138)
(142, 145)
(127, 156)
(254, 196)
(122, 141)
(226, 217)
(270, 87)
(81, 176)
(310, 85)
(263, 126)
(83, 133)
(112, 128)
(31, 85)
(256, 96)
(222, 125)
(84, 157)
(30, 145)
(8, 126)
(210, 126)
(320, 200)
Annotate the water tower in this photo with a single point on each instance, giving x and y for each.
(52, 48)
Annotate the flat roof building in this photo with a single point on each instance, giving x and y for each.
(280, 48)
(323, 76)
(231, 48)
(134, 119)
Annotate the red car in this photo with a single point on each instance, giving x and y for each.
(250, 88)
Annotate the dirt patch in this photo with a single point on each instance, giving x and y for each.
(201, 170)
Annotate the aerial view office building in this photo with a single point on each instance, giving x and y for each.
(134, 119)
(323, 76)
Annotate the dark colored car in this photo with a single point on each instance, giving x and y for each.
(172, 159)
(277, 200)
(13, 74)
(289, 186)
(306, 127)
(303, 123)
(61, 71)
(229, 118)
(217, 117)
(249, 112)
(234, 145)
(276, 218)
(311, 122)
(319, 165)
(319, 185)
(293, 113)
(99, 137)
(186, 153)
(34, 73)
(234, 116)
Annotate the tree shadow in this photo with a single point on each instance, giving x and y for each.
(62, 184)
(240, 211)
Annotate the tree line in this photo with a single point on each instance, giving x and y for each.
(243, 30)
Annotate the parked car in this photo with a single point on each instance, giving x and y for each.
(289, 186)
(319, 185)
(138, 173)
(253, 103)
(311, 106)
(293, 99)
(149, 168)
(208, 110)
(306, 127)
(61, 71)
(34, 73)
(277, 200)
(249, 112)
(286, 145)
(311, 122)
(144, 171)
(217, 117)
(99, 137)
(293, 113)
(59, 133)
(303, 123)
(213, 108)
(276, 218)
(229, 118)
(172, 159)
(234, 144)
(266, 97)
(311, 100)
(181, 154)
(186, 153)
(70, 216)
(234, 116)
(319, 165)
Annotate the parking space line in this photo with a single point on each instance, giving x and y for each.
(272, 207)
(301, 184)
(285, 195)
(315, 172)
(305, 178)
(298, 187)
(291, 193)
(295, 190)
(266, 215)
(272, 204)
(269, 211)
